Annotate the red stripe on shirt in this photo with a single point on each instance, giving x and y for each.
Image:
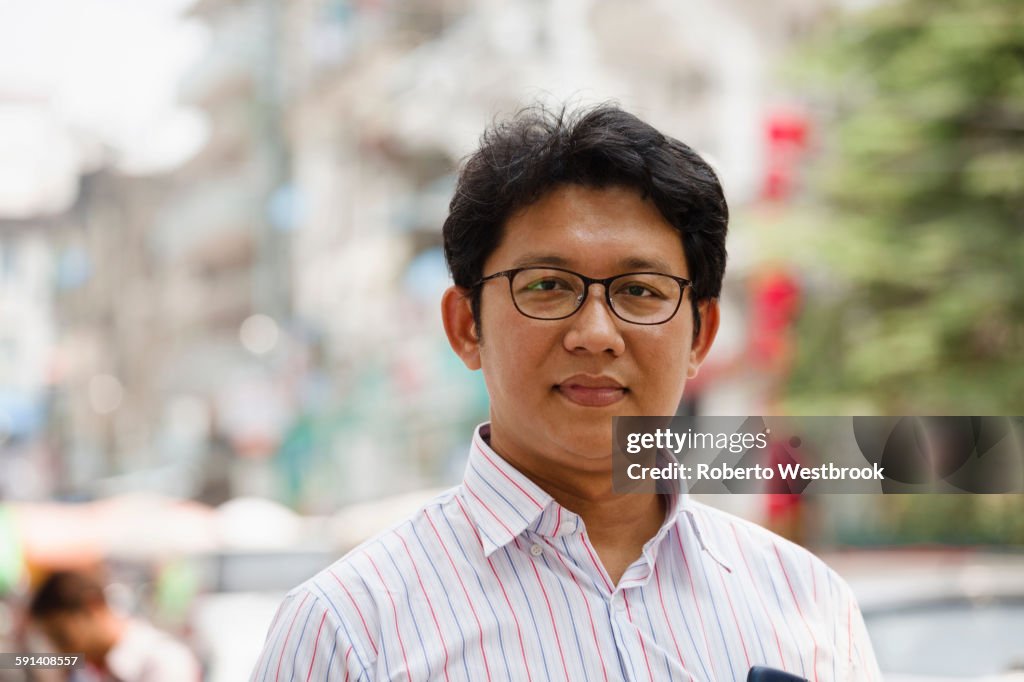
(316, 643)
(668, 621)
(458, 574)
(739, 630)
(593, 627)
(551, 614)
(394, 609)
(284, 645)
(775, 632)
(359, 612)
(597, 564)
(696, 604)
(639, 635)
(510, 480)
(430, 605)
(489, 510)
(798, 609)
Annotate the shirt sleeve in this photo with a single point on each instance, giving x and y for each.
(309, 640)
(854, 645)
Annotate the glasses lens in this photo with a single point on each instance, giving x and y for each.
(645, 298)
(546, 294)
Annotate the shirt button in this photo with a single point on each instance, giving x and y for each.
(536, 550)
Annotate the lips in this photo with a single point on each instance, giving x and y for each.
(592, 391)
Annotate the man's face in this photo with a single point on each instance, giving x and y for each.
(555, 384)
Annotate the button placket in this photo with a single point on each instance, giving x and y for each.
(619, 602)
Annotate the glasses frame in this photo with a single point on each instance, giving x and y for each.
(587, 282)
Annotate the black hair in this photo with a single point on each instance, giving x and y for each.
(537, 150)
(66, 592)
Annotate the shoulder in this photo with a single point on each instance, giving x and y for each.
(767, 558)
(354, 612)
(373, 582)
(733, 535)
(391, 552)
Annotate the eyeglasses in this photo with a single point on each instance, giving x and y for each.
(556, 293)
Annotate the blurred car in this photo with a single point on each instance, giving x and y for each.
(941, 616)
(229, 622)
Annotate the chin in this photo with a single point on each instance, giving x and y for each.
(590, 440)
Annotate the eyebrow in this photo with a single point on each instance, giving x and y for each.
(630, 263)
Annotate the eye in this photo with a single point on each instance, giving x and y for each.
(547, 284)
(639, 290)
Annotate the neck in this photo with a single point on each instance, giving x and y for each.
(617, 525)
(617, 521)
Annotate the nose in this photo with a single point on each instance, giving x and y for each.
(594, 328)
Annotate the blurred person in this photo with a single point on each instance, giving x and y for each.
(587, 251)
(70, 608)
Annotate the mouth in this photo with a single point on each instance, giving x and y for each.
(591, 391)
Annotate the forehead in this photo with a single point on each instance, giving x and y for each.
(596, 230)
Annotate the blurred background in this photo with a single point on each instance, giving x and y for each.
(221, 359)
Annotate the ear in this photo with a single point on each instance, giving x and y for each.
(457, 315)
(709, 319)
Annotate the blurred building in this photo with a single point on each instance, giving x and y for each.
(103, 403)
(80, 331)
(384, 98)
(264, 319)
(316, 205)
(28, 331)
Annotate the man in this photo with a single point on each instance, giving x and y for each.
(587, 253)
(71, 610)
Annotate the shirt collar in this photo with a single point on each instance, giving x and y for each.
(503, 502)
(705, 540)
(681, 507)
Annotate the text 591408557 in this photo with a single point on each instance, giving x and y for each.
(52, 661)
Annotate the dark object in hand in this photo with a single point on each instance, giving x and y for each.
(759, 673)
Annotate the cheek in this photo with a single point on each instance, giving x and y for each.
(512, 360)
(663, 361)
(517, 347)
(668, 345)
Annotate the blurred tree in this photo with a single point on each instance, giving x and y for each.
(912, 238)
(918, 227)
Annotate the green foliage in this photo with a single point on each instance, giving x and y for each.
(917, 215)
(994, 520)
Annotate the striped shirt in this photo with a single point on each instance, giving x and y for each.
(494, 581)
